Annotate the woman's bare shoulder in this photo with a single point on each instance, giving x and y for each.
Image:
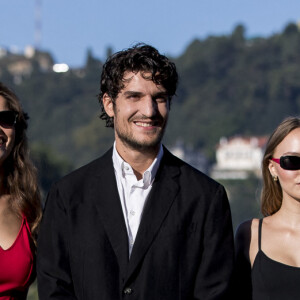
(254, 227)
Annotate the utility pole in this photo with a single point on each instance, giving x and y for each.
(38, 24)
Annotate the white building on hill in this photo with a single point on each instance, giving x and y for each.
(238, 157)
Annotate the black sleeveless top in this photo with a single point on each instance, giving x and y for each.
(272, 280)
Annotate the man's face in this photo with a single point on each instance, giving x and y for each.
(140, 113)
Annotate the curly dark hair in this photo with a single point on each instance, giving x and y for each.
(20, 176)
(140, 58)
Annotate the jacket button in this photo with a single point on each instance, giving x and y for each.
(127, 291)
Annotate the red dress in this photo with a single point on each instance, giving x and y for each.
(16, 266)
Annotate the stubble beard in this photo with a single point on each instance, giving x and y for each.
(140, 145)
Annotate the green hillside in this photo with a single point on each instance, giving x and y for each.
(228, 85)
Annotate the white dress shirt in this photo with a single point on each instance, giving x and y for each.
(133, 193)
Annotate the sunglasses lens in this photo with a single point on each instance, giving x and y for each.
(7, 118)
(290, 162)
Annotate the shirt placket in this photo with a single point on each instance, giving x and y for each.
(131, 204)
(134, 209)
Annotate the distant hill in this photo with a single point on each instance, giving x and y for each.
(229, 85)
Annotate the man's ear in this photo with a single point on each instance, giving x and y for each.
(108, 105)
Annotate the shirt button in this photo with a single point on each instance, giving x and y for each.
(127, 291)
(132, 212)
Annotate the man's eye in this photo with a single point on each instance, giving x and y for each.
(161, 99)
(132, 97)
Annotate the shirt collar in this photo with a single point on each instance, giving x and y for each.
(120, 166)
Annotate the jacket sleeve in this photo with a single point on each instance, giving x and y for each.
(216, 268)
(53, 268)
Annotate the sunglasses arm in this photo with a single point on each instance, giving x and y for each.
(276, 160)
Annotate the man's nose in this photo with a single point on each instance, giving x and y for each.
(149, 106)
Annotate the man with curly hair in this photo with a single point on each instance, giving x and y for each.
(137, 223)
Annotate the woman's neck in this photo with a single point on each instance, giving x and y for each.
(289, 214)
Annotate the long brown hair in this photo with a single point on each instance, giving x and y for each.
(271, 196)
(20, 178)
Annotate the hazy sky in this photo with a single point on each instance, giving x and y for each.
(70, 27)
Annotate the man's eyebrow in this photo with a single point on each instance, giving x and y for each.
(161, 94)
(137, 93)
(132, 93)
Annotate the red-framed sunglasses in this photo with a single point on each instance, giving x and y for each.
(288, 162)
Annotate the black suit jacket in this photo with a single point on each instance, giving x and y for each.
(183, 249)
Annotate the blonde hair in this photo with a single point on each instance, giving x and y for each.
(271, 196)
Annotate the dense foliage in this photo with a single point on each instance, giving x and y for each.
(229, 85)
(235, 86)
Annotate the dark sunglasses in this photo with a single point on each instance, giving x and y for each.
(288, 162)
(8, 118)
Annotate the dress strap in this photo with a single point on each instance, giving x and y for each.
(259, 233)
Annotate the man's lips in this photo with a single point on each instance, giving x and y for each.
(146, 124)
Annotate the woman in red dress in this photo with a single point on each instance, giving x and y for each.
(20, 208)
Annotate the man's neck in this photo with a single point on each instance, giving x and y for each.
(139, 160)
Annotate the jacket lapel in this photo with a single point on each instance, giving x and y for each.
(161, 197)
(107, 201)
